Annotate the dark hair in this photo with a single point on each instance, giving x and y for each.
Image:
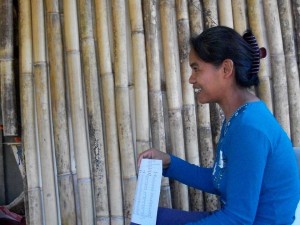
(216, 44)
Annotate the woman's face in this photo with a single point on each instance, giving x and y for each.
(206, 80)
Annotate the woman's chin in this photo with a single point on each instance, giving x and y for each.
(201, 100)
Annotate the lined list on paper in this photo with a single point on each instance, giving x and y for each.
(147, 192)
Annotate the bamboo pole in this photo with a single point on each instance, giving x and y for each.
(240, 21)
(286, 21)
(258, 27)
(8, 97)
(8, 92)
(163, 90)
(140, 76)
(189, 113)
(60, 123)
(168, 22)
(123, 107)
(2, 177)
(239, 10)
(92, 91)
(196, 17)
(209, 115)
(183, 33)
(274, 34)
(225, 13)
(43, 114)
(2, 183)
(155, 94)
(211, 19)
(131, 79)
(25, 185)
(80, 142)
(206, 150)
(210, 14)
(196, 27)
(34, 213)
(111, 134)
(69, 121)
(296, 14)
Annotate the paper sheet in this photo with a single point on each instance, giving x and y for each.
(147, 192)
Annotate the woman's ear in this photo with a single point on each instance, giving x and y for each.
(228, 68)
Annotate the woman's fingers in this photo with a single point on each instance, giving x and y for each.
(148, 154)
(154, 154)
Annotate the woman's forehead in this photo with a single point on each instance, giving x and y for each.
(193, 55)
(194, 58)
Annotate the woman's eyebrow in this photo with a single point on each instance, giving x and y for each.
(193, 64)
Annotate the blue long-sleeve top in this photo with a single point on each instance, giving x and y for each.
(255, 171)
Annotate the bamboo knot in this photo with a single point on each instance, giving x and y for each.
(73, 51)
(40, 63)
(84, 180)
(64, 176)
(107, 74)
(6, 59)
(130, 178)
(137, 31)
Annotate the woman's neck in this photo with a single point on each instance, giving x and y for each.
(230, 103)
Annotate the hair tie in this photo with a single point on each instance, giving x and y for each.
(258, 53)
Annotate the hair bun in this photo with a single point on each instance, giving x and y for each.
(262, 53)
(258, 53)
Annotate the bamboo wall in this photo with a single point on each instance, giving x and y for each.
(101, 80)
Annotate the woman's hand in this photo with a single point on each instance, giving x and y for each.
(155, 154)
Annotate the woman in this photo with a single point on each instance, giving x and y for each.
(255, 171)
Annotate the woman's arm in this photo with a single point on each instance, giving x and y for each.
(190, 174)
(246, 157)
(178, 169)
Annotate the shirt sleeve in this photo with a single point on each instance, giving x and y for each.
(246, 156)
(198, 177)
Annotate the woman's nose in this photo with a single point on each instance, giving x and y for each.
(192, 79)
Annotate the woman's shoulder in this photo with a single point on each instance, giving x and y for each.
(258, 115)
(259, 119)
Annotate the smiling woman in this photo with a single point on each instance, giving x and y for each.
(251, 175)
(206, 79)
(234, 57)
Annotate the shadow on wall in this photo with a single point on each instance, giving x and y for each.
(13, 182)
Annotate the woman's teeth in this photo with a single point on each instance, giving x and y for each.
(197, 90)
